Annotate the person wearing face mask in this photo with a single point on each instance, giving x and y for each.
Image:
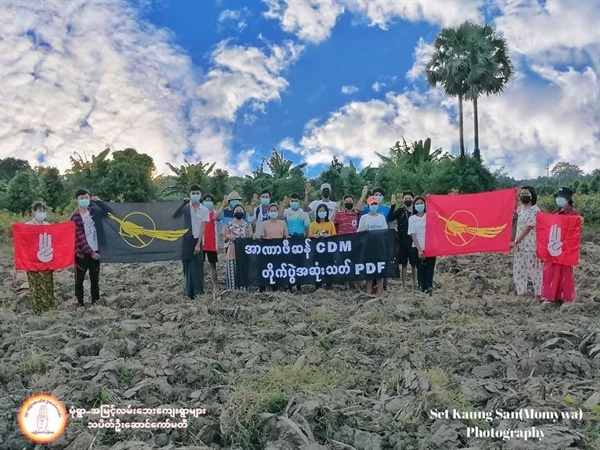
(296, 219)
(209, 243)
(417, 224)
(378, 193)
(558, 281)
(233, 199)
(41, 284)
(325, 200)
(274, 228)
(347, 217)
(238, 228)
(406, 252)
(87, 257)
(322, 226)
(195, 219)
(526, 266)
(370, 222)
(260, 214)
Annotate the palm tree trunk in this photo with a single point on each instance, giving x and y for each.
(476, 152)
(460, 126)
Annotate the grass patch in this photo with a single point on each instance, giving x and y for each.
(325, 318)
(325, 341)
(255, 396)
(125, 374)
(34, 363)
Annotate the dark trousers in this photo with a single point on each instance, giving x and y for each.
(193, 276)
(82, 266)
(425, 269)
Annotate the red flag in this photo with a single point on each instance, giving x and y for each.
(469, 223)
(558, 238)
(44, 247)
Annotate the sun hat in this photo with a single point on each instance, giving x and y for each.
(234, 196)
(325, 186)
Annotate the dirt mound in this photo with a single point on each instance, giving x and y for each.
(315, 370)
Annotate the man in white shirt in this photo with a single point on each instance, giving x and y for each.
(195, 217)
(326, 194)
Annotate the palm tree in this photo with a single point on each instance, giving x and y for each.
(448, 67)
(282, 168)
(468, 61)
(490, 69)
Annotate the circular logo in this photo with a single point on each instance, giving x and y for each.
(131, 233)
(42, 418)
(465, 219)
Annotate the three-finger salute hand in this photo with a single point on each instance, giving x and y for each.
(555, 243)
(393, 201)
(45, 252)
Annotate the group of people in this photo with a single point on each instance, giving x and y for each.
(206, 220)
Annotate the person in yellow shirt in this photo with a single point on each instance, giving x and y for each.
(322, 226)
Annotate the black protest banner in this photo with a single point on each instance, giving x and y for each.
(140, 232)
(336, 259)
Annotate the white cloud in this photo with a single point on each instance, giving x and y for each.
(382, 13)
(79, 76)
(238, 16)
(422, 55)
(545, 32)
(377, 86)
(310, 20)
(348, 90)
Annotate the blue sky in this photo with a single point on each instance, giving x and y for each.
(224, 81)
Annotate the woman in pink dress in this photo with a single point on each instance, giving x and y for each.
(558, 280)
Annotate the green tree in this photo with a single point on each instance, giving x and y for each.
(128, 177)
(566, 171)
(189, 174)
(22, 192)
(489, 68)
(218, 184)
(333, 176)
(51, 187)
(9, 167)
(280, 167)
(448, 68)
(465, 174)
(584, 188)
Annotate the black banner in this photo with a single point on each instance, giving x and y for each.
(139, 232)
(336, 259)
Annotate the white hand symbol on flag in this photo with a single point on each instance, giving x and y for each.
(45, 252)
(555, 243)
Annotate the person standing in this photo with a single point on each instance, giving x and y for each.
(347, 217)
(370, 222)
(41, 283)
(238, 228)
(325, 199)
(322, 227)
(209, 244)
(195, 218)
(233, 199)
(260, 214)
(87, 257)
(406, 252)
(297, 222)
(416, 228)
(558, 281)
(526, 266)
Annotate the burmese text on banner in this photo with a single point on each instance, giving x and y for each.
(469, 223)
(44, 247)
(337, 259)
(558, 238)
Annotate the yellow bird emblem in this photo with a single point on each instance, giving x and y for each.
(131, 230)
(457, 229)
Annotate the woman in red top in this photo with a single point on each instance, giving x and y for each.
(558, 282)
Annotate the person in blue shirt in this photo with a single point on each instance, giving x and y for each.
(233, 199)
(382, 209)
(296, 219)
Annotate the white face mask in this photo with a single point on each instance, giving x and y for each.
(40, 216)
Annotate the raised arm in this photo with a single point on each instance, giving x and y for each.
(219, 211)
(306, 198)
(179, 211)
(361, 200)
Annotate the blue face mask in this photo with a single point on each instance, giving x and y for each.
(294, 205)
(420, 207)
(195, 197)
(265, 201)
(208, 204)
(234, 203)
(561, 202)
(84, 203)
(380, 199)
(322, 214)
(373, 208)
(273, 214)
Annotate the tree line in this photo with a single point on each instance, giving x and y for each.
(130, 176)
